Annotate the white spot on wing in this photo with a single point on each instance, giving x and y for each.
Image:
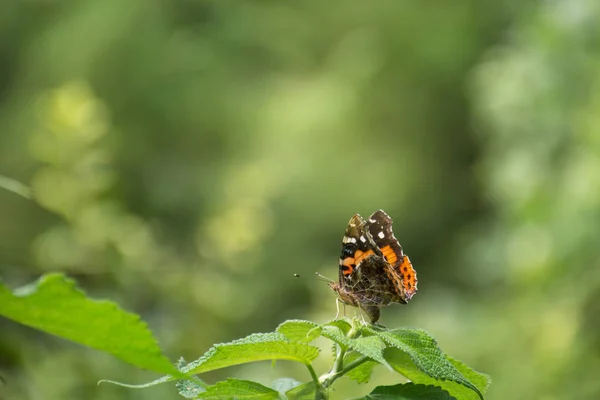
(362, 239)
(381, 235)
(349, 239)
(371, 220)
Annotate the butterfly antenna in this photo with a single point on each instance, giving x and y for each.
(319, 277)
(324, 278)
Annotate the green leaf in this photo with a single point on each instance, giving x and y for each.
(306, 391)
(482, 381)
(239, 389)
(368, 346)
(425, 355)
(300, 331)
(402, 363)
(53, 304)
(256, 347)
(362, 373)
(408, 391)
(342, 324)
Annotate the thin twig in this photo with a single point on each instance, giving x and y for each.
(16, 187)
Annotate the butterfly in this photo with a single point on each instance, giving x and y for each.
(374, 271)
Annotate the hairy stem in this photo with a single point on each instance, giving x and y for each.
(338, 365)
(321, 391)
(338, 368)
(331, 377)
(339, 359)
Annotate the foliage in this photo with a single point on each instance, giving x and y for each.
(54, 305)
(186, 157)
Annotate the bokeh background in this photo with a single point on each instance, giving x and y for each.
(189, 156)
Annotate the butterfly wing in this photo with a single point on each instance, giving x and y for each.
(374, 271)
(357, 245)
(363, 267)
(400, 269)
(371, 285)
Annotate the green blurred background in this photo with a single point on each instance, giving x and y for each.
(189, 156)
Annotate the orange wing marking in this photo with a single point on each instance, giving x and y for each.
(360, 255)
(409, 277)
(349, 264)
(389, 254)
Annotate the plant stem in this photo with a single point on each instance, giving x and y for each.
(338, 369)
(331, 377)
(320, 391)
(353, 365)
(327, 379)
(313, 374)
(339, 359)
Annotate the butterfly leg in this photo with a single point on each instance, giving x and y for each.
(362, 317)
(337, 307)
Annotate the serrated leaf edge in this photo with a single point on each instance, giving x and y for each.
(465, 383)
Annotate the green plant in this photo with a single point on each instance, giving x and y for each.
(53, 304)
